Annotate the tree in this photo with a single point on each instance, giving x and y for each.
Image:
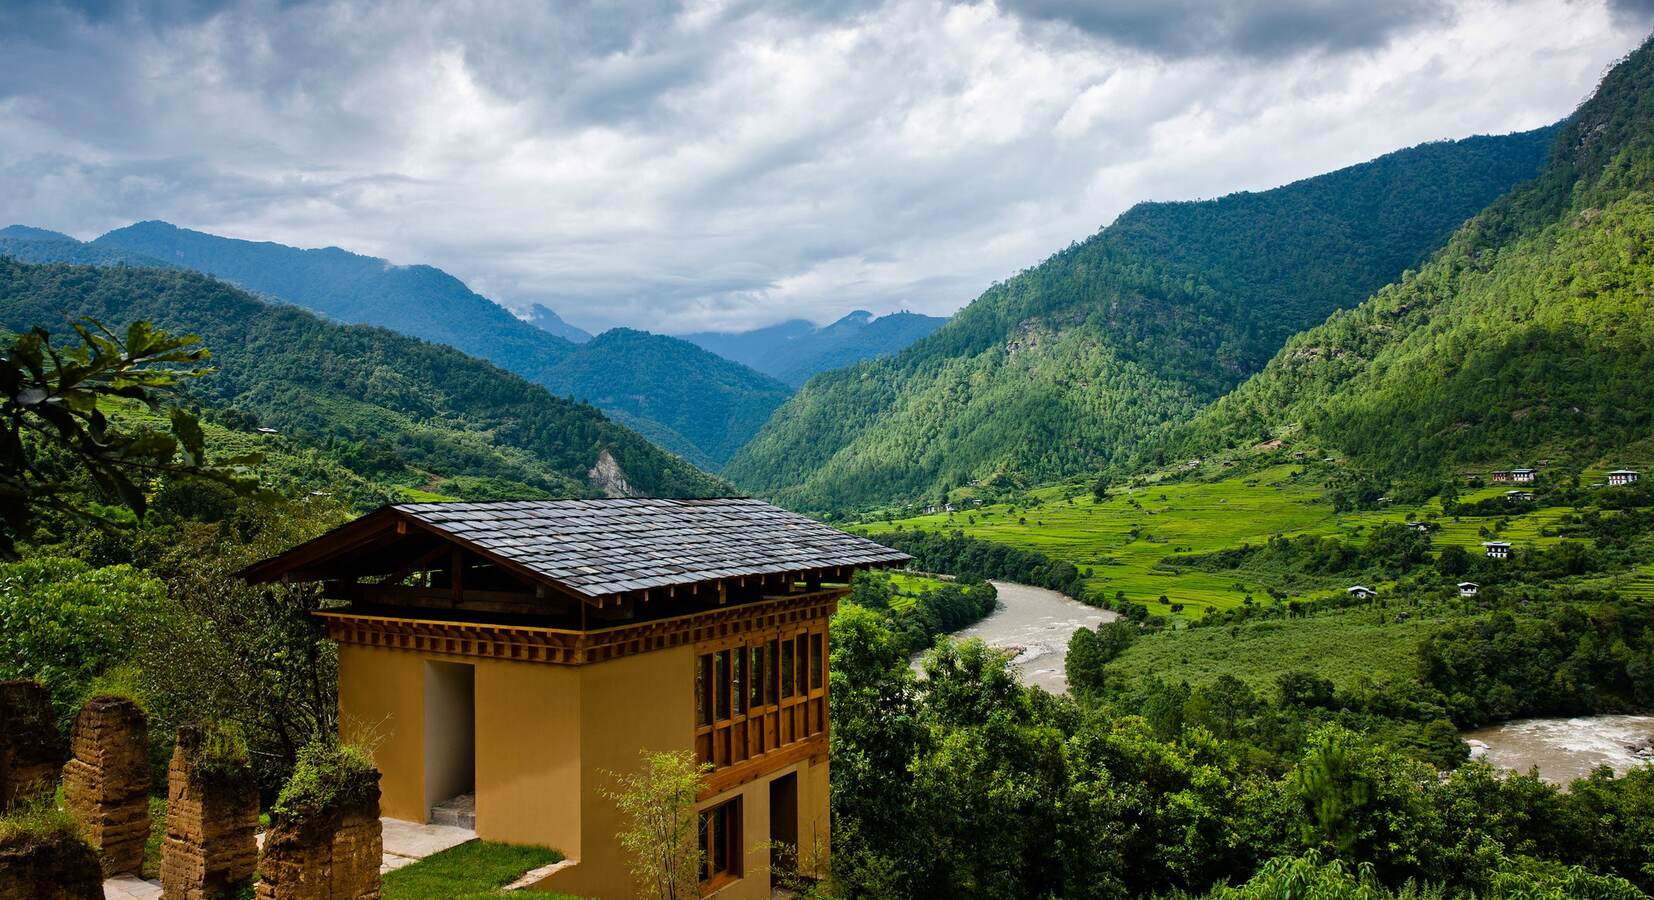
(1084, 664)
(52, 427)
(662, 828)
(1453, 561)
(1099, 488)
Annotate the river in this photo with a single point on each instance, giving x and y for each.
(1565, 749)
(1037, 624)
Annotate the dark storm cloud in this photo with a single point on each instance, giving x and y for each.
(1635, 12)
(713, 164)
(1254, 28)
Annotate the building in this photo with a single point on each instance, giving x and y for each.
(509, 657)
(1620, 477)
(1524, 476)
(1516, 496)
(1422, 527)
(1468, 588)
(1497, 549)
(1499, 476)
(1362, 592)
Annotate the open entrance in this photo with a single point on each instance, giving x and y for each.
(784, 824)
(451, 743)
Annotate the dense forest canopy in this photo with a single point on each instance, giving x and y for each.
(1529, 335)
(1072, 364)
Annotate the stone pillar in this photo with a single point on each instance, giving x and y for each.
(106, 783)
(31, 749)
(330, 853)
(212, 817)
(53, 866)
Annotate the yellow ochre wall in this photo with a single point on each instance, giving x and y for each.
(546, 737)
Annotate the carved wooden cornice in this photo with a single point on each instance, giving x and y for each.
(527, 643)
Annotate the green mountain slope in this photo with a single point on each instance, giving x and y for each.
(386, 404)
(795, 350)
(1530, 335)
(709, 401)
(702, 406)
(39, 245)
(1073, 364)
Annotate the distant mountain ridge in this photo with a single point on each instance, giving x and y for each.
(717, 404)
(1074, 364)
(795, 350)
(1530, 335)
(390, 407)
(546, 319)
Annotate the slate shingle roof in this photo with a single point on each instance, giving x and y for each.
(599, 547)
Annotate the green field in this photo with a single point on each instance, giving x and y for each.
(1123, 540)
(909, 587)
(1346, 646)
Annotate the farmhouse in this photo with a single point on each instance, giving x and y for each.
(1523, 476)
(1362, 592)
(509, 657)
(1468, 588)
(1499, 475)
(1620, 477)
(1497, 549)
(1516, 496)
(1422, 527)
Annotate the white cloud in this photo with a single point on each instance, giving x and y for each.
(731, 164)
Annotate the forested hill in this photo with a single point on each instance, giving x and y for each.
(1531, 335)
(795, 350)
(380, 400)
(1075, 363)
(705, 403)
(21, 242)
(426, 302)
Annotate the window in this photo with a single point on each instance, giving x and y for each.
(759, 693)
(720, 674)
(703, 685)
(721, 842)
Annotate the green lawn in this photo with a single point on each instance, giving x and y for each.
(472, 870)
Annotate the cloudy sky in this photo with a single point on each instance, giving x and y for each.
(732, 163)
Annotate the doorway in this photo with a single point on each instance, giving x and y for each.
(450, 743)
(784, 824)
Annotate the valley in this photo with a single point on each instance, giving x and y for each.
(1246, 548)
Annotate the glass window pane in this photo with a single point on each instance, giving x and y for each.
(720, 839)
(720, 682)
(772, 678)
(815, 661)
(803, 662)
(787, 681)
(739, 689)
(703, 683)
(757, 671)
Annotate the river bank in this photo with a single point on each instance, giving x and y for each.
(1566, 749)
(1034, 625)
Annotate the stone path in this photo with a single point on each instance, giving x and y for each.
(409, 842)
(131, 887)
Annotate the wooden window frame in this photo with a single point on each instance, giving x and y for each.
(730, 812)
(788, 715)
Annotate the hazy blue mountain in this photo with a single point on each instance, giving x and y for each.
(546, 319)
(694, 403)
(26, 243)
(796, 349)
